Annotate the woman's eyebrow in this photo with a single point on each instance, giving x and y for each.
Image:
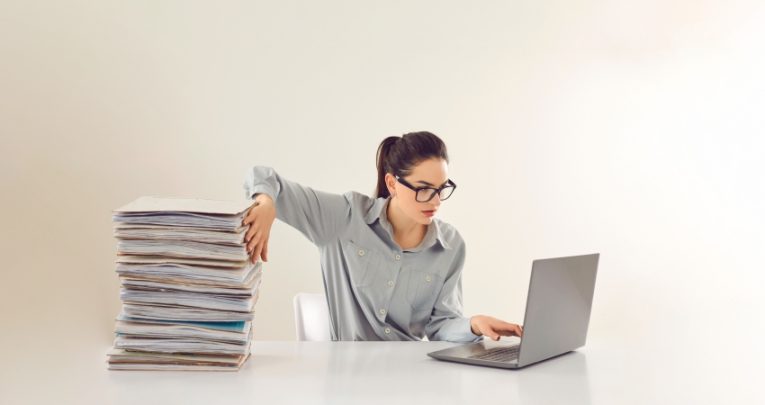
(430, 184)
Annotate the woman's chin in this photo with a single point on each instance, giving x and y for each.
(426, 220)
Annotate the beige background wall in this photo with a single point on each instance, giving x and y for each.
(629, 128)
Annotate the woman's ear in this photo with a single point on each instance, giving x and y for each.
(390, 182)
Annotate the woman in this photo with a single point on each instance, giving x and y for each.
(391, 270)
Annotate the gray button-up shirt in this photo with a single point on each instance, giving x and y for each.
(375, 290)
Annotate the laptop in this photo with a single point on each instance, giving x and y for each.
(557, 315)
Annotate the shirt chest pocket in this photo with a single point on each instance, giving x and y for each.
(362, 263)
(422, 289)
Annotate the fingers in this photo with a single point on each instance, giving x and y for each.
(258, 249)
(509, 329)
(254, 240)
(518, 331)
(488, 331)
(256, 236)
(252, 246)
(257, 246)
(265, 250)
(500, 328)
(250, 232)
(249, 217)
(255, 251)
(492, 334)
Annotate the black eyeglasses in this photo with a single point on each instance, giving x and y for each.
(425, 194)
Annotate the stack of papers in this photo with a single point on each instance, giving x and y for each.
(188, 286)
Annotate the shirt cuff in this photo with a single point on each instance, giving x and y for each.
(470, 333)
(253, 191)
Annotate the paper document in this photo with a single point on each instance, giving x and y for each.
(188, 288)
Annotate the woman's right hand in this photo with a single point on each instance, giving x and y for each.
(260, 218)
(483, 325)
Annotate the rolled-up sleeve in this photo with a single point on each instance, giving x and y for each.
(446, 321)
(318, 215)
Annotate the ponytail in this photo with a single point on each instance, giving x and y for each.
(398, 154)
(382, 164)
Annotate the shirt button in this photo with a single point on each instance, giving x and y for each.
(398, 257)
(361, 252)
(390, 283)
(382, 311)
(428, 278)
(387, 330)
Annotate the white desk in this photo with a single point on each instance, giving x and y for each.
(382, 373)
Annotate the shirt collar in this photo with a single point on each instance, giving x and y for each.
(379, 210)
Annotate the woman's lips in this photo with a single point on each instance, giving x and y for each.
(429, 213)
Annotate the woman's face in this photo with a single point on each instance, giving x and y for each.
(428, 173)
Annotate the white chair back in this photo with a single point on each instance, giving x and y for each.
(311, 317)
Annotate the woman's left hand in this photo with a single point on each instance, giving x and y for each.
(483, 325)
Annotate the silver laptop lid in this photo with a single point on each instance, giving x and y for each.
(558, 306)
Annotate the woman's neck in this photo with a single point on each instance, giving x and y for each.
(406, 232)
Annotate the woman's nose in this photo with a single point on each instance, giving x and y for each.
(436, 201)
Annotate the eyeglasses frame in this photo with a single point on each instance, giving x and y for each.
(449, 183)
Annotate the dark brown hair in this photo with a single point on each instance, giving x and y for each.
(399, 154)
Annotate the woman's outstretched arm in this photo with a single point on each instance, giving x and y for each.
(320, 216)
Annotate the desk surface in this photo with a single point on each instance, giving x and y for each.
(385, 373)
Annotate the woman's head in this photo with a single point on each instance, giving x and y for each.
(414, 161)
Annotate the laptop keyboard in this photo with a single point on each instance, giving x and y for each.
(505, 354)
